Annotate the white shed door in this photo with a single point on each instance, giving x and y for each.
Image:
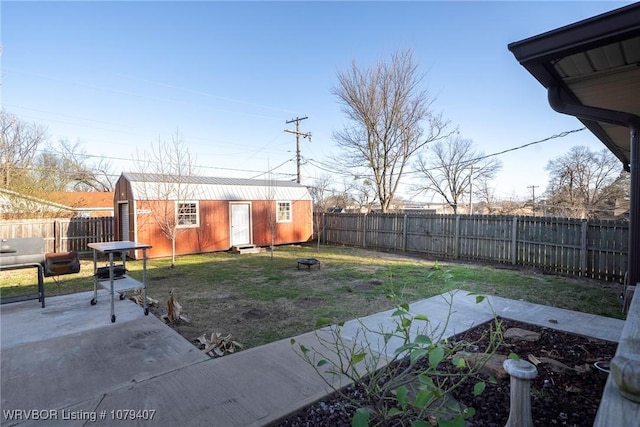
(240, 224)
(124, 221)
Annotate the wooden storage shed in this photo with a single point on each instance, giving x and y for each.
(210, 214)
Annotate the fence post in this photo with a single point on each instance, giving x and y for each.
(364, 231)
(404, 234)
(456, 247)
(56, 236)
(514, 241)
(583, 247)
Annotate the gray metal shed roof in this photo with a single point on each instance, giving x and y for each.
(148, 186)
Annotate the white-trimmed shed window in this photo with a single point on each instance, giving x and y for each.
(187, 214)
(283, 211)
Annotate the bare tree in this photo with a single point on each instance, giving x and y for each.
(449, 167)
(330, 198)
(581, 183)
(19, 142)
(487, 195)
(513, 206)
(271, 214)
(28, 168)
(170, 168)
(68, 168)
(320, 192)
(48, 172)
(363, 194)
(342, 199)
(389, 119)
(86, 174)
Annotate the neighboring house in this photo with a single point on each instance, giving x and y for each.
(86, 204)
(60, 204)
(214, 214)
(621, 209)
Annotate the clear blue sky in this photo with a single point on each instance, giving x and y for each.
(119, 75)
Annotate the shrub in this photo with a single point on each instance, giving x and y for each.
(408, 386)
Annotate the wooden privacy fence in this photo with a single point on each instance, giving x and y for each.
(596, 249)
(62, 234)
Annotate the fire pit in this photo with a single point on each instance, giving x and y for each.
(308, 262)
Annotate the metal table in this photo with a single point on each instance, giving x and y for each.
(123, 283)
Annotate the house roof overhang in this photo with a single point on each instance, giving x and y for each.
(591, 70)
(593, 64)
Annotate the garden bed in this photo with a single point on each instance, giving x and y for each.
(566, 392)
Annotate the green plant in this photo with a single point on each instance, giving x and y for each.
(538, 393)
(408, 386)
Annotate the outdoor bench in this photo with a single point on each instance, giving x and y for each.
(29, 252)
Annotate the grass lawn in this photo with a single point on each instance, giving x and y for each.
(260, 298)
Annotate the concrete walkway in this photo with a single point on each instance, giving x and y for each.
(69, 364)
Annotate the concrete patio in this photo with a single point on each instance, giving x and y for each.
(67, 363)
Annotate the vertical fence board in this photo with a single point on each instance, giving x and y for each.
(597, 249)
(61, 234)
(594, 248)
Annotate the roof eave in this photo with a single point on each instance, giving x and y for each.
(602, 29)
(536, 54)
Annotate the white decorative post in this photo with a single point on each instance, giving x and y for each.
(521, 372)
(625, 369)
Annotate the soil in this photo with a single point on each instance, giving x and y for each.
(560, 396)
(255, 321)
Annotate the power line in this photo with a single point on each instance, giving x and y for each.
(329, 168)
(272, 169)
(499, 153)
(81, 155)
(116, 175)
(318, 164)
(206, 140)
(559, 135)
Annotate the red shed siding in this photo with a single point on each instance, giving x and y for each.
(148, 230)
(300, 228)
(213, 234)
(213, 231)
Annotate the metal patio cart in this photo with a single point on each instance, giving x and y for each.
(113, 277)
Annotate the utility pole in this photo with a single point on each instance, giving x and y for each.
(298, 134)
(533, 194)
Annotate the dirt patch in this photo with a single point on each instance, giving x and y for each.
(306, 303)
(255, 313)
(367, 268)
(222, 295)
(250, 322)
(259, 300)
